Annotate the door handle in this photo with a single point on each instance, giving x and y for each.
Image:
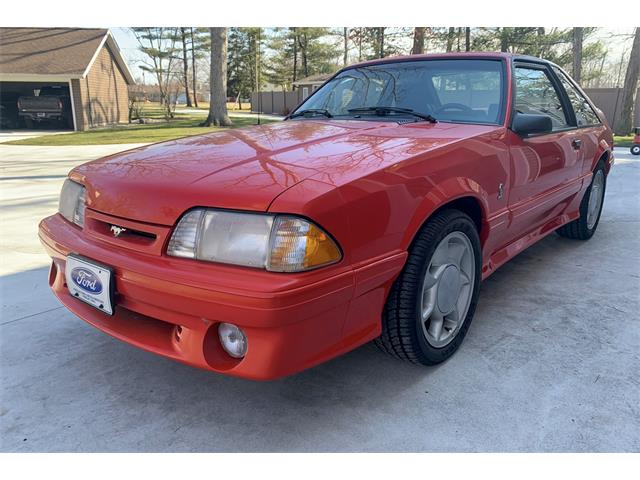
(576, 143)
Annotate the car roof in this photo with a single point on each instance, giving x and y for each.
(449, 55)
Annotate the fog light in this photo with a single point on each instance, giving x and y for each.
(233, 340)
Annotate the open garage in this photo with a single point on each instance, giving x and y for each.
(61, 78)
(31, 96)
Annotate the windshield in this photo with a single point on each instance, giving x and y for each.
(468, 91)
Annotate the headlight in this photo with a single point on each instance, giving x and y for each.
(279, 243)
(72, 202)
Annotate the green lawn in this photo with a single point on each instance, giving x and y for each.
(182, 126)
(156, 132)
(623, 141)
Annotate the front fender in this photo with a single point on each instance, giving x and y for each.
(443, 194)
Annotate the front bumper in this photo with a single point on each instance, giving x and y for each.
(172, 307)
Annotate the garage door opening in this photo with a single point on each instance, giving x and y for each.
(35, 106)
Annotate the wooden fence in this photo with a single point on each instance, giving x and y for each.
(278, 103)
(609, 100)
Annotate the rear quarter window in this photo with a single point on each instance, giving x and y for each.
(583, 111)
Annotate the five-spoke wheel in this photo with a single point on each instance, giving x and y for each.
(431, 304)
(447, 289)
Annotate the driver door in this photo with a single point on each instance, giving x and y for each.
(545, 168)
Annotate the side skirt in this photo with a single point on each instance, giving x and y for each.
(503, 255)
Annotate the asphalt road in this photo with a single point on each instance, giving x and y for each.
(550, 363)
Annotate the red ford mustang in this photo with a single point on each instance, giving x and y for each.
(372, 213)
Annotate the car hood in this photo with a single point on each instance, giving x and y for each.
(246, 169)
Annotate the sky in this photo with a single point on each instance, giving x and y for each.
(611, 36)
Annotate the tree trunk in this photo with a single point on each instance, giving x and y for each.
(218, 114)
(624, 125)
(185, 65)
(578, 34)
(382, 41)
(303, 44)
(504, 39)
(418, 40)
(258, 59)
(295, 54)
(194, 85)
(345, 36)
(467, 39)
(450, 35)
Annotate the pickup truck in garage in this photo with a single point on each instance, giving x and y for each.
(51, 105)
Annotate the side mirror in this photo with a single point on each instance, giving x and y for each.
(525, 124)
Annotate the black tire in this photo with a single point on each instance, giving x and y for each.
(402, 335)
(635, 150)
(578, 229)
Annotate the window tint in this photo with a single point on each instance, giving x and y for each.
(536, 94)
(584, 113)
(451, 90)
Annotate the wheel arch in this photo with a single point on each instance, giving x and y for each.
(468, 202)
(603, 154)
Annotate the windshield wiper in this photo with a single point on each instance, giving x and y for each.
(310, 111)
(382, 111)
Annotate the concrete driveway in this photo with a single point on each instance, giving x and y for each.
(11, 135)
(30, 181)
(550, 363)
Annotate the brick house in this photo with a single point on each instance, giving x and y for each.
(86, 62)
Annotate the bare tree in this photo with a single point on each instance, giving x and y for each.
(418, 40)
(624, 124)
(578, 36)
(467, 39)
(218, 114)
(159, 45)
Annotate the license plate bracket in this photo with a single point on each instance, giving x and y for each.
(91, 282)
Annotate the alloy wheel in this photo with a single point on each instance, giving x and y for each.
(447, 289)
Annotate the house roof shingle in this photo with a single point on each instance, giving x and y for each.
(311, 79)
(52, 51)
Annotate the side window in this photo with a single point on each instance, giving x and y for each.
(478, 90)
(584, 113)
(535, 93)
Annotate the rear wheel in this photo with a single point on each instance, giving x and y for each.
(635, 150)
(585, 226)
(431, 304)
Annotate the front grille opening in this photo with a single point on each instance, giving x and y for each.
(137, 233)
(119, 232)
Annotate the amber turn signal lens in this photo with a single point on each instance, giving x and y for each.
(297, 244)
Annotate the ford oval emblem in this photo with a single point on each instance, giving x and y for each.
(86, 280)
